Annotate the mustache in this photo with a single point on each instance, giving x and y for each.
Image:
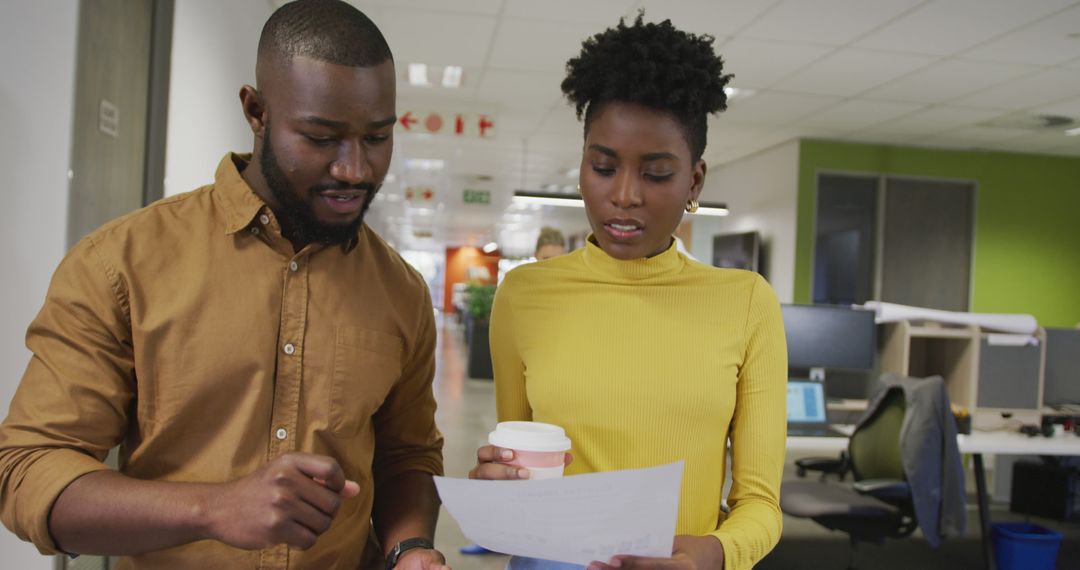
(365, 186)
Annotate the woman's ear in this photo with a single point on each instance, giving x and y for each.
(697, 180)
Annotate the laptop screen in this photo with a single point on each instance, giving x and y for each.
(805, 402)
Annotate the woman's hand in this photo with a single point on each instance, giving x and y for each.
(492, 463)
(689, 553)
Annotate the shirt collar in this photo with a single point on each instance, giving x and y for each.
(668, 262)
(235, 197)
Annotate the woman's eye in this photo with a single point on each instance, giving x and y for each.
(658, 177)
(603, 170)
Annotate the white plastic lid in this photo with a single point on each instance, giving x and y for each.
(529, 436)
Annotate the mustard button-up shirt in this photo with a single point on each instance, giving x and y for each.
(192, 335)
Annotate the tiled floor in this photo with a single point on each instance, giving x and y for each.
(467, 413)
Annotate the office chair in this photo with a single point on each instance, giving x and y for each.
(881, 502)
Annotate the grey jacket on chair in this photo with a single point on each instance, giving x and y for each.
(930, 455)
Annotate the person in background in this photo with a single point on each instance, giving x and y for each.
(549, 244)
(262, 358)
(643, 355)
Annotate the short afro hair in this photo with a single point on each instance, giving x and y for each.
(326, 30)
(652, 64)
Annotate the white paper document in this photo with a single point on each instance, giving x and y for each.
(573, 519)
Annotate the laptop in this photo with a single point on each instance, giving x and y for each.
(807, 415)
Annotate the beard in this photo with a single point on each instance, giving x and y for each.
(299, 216)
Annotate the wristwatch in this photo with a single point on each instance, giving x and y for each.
(404, 546)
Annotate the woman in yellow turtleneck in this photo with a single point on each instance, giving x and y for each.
(643, 355)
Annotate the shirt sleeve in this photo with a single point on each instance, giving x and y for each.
(72, 404)
(511, 400)
(758, 437)
(406, 437)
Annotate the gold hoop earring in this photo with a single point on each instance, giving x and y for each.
(691, 205)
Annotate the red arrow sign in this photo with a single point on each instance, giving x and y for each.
(407, 120)
(485, 124)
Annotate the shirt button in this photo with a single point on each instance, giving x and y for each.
(293, 266)
(255, 230)
(289, 348)
(264, 219)
(281, 433)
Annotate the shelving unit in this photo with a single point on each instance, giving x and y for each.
(955, 352)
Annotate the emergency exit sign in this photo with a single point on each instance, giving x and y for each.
(477, 196)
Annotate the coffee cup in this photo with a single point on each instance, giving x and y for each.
(541, 448)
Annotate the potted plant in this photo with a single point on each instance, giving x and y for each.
(478, 299)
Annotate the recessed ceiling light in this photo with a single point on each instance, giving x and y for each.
(451, 76)
(574, 200)
(490, 247)
(547, 199)
(707, 209)
(418, 75)
(1073, 132)
(734, 93)
(424, 164)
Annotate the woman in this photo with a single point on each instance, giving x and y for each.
(644, 356)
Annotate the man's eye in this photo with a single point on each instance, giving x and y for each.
(376, 139)
(320, 141)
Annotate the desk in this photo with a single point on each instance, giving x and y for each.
(978, 443)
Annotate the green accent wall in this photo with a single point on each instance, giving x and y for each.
(1027, 221)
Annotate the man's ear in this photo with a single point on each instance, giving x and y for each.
(254, 109)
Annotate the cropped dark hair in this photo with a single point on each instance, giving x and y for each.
(325, 30)
(652, 64)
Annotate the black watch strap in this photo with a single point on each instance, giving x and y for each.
(404, 546)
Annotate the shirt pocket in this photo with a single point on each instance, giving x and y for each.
(367, 364)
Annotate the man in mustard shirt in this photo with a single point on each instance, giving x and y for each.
(263, 359)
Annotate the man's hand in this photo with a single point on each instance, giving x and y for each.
(689, 553)
(291, 500)
(422, 559)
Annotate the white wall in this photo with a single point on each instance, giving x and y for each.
(213, 55)
(762, 193)
(37, 56)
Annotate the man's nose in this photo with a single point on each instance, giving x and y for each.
(350, 166)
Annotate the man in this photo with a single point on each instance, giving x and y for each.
(263, 359)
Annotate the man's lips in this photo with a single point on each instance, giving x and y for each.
(343, 201)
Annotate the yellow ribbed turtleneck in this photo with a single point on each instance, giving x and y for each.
(650, 361)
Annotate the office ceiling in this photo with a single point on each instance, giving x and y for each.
(955, 74)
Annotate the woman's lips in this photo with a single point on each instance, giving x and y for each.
(623, 230)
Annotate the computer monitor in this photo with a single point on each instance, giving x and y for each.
(737, 251)
(821, 337)
(805, 403)
(1061, 377)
